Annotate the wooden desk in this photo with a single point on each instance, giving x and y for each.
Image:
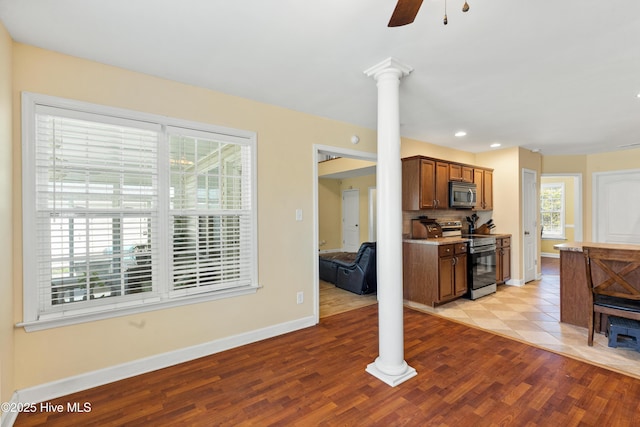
(574, 294)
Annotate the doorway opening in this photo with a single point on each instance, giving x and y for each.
(560, 211)
(350, 168)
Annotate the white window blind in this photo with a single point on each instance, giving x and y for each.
(123, 211)
(210, 211)
(97, 203)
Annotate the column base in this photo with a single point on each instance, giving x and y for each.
(392, 380)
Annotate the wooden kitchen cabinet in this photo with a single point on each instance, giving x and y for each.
(434, 274)
(483, 178)
(452, 270)
(460, 173)
(503, 259)
(425, 184)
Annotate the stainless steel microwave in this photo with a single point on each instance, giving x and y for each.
(462, 194)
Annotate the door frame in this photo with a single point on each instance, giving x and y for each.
(319, 149)
(536, 211)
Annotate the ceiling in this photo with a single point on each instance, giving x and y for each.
(560, 77)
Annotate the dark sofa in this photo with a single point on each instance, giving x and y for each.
(354, 272)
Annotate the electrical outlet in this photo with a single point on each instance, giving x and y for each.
(300, 297)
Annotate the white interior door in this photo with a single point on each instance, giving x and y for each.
(616, 205)
(529, 223)
(350, 220)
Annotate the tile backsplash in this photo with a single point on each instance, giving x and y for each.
(439, 215)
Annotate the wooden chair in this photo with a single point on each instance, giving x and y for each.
(613, 277)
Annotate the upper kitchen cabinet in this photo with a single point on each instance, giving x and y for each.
(460, 173)
(425, 184)
(483, 178)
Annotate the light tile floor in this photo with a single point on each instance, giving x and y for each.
(531, 314)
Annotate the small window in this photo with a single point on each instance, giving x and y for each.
(127, 210)
(552, 210)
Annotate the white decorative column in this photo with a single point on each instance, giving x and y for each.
(389, 366)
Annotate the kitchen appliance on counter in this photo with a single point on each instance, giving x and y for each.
(462, 194)
(450, 227)
(481, 265)
(425, 228)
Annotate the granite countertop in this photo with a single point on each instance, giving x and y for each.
(452, 239)
(499, 235)
(577, 246)
(438, 241)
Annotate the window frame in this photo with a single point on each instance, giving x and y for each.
(33, 319)
(562, 234)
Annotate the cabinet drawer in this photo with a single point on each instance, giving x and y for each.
(505, 241)
(445, 250)
(460, 248)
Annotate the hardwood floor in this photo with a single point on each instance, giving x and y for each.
(316, 377)
(334, 300)
(550, 266)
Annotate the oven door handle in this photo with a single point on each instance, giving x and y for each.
(482, 249)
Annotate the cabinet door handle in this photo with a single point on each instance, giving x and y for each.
(454, 260)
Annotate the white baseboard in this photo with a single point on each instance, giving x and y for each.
(55, 389)
(550, 255)
(8, 418)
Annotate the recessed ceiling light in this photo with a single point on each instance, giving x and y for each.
(460, 133)
(495, 145)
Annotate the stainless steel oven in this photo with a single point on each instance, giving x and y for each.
(481, 261)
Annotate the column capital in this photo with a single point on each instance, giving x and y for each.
(389, 65)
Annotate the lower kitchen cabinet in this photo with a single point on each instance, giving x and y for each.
(503, 259)
(434, 274)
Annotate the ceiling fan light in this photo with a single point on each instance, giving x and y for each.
(465, 7)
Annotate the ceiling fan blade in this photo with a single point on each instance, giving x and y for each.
(405, 12)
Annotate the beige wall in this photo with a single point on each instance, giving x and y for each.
(411, 147)
(342, 164)
(330, 209)
(507, 167)
(587, 165)
(7, 384)
(329, 214)
(285, 137)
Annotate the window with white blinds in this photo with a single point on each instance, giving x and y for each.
(125, 210)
